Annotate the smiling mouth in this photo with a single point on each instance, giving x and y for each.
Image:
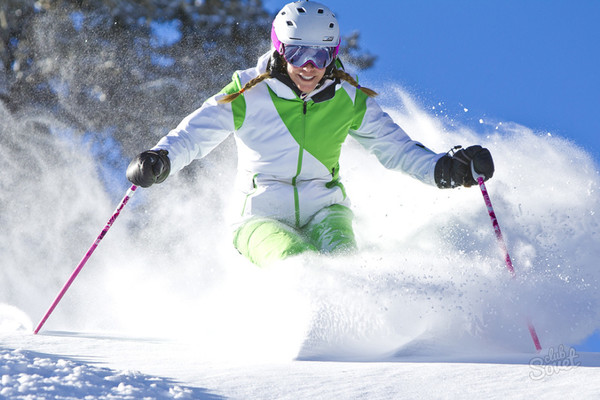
(306, 78)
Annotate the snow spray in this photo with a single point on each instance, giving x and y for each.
(425, 282)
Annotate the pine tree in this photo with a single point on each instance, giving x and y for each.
(101, 68)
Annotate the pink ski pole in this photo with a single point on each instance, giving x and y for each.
(509, 266)
(62, 292)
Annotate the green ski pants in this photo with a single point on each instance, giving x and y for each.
(265, 240)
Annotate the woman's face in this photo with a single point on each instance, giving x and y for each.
(307, 77)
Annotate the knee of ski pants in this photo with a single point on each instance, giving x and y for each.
(264, 241)
(330, 230)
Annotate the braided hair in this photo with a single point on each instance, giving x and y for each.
(251, 83)
(344, 76)
(278, 63)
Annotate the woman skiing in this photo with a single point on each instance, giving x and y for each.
(290, 115)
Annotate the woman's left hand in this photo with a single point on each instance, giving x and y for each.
(457, 169)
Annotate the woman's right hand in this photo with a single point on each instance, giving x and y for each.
(148, 168)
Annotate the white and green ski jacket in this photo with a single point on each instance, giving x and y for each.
(289, 147)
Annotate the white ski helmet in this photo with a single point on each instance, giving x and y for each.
(305, 23)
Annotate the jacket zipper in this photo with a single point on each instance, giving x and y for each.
(299, 168)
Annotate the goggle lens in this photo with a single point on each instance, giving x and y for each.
(299, 56)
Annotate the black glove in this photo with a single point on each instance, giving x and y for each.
(148, 168)
(454, 169)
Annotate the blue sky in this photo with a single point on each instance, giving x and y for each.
(533, 62)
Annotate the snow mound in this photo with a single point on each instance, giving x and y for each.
(29, 375)
(14, 320)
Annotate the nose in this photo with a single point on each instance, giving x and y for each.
(309, 66)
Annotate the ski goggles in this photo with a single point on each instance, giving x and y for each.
(299, 56)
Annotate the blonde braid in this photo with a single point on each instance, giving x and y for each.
(251, 83)
(338, 73)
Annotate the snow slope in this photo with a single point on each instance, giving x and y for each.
(166, 308)
(69, 365)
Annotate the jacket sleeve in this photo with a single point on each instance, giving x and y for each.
(203, 130)
(379, 134)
